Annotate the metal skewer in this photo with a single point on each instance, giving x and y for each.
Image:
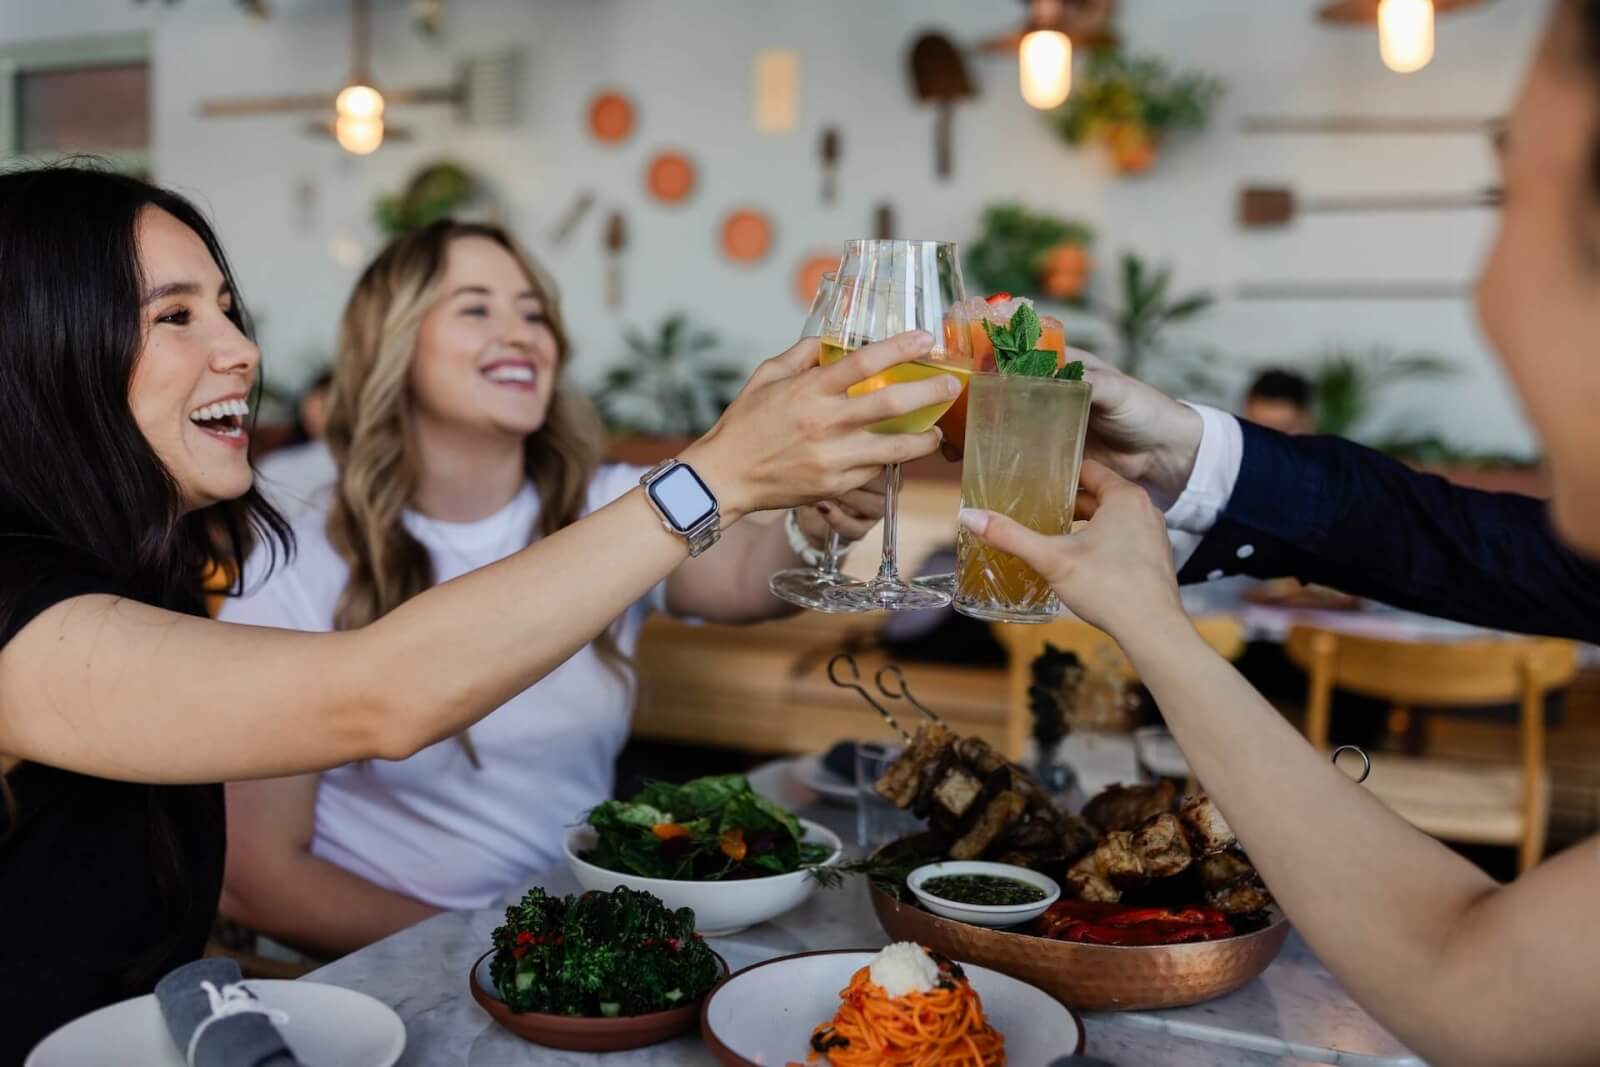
(904, 692)
(861, 690)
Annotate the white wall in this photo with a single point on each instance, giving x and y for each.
(687, 63)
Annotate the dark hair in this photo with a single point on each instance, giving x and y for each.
(82, 492)
(75, 470)
(1281, 385)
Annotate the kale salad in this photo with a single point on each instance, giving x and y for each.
(600, 955)
(711, 829)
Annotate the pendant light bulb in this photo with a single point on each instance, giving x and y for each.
(1044, 65)
(1405, 34)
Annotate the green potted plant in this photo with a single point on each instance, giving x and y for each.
(435, 192)
(1128, 103)
(1028, 254)
(1346, 382)
(667, 391)
(1144, 309)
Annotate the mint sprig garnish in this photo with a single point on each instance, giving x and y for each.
(1015, 351)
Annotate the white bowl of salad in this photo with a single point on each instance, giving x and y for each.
(712, 845)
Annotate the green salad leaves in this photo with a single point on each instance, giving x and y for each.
(599, 955)
(710, 829)
(1015, 351)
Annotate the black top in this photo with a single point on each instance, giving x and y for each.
(104, 886)
(1330, 511)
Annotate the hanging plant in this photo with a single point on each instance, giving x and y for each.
(1019, 252)
(1129, 103)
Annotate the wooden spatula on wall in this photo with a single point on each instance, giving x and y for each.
(1262, 206)
(939, 76)
(616, 238)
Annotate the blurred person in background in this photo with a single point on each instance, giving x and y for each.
(1281, 400)
(298, 476)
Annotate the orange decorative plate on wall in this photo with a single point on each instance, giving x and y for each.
(670, 177)
(746, 236)
(808, 275)
(610, 116)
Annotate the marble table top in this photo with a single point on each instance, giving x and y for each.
(1297, 1013)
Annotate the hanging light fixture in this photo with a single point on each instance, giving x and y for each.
(1044, 67)
(1044, 46)
(1405, 27)
(1405, 34)
(358, 123)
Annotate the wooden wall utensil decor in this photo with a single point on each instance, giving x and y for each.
(1264, 206)
(570, 218)
(670, 177)
(883, 222)
(1370, 124)
(746, 236)
(611, 117)
(829, 148)
(1316, 291)
(616, 239)
(939, 77)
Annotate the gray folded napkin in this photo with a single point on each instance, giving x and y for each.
(240, 1031)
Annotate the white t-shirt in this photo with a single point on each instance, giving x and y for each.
(298, 480)
(432, 826)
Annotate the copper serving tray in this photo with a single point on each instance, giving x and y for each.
(1094, 977)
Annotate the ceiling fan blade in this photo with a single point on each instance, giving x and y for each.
(266, 105)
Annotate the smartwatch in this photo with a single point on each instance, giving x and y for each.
(686, 505)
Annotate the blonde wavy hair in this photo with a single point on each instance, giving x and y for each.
(370, 411)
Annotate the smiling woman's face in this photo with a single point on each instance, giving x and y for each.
(1539, 295)
(195, 367)
(486, 357)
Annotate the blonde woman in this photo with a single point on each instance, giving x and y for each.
(458, 443)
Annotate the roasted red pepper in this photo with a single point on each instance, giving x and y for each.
(1121, 924)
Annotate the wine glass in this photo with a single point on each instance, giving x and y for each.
(885, 288)
(807, 587)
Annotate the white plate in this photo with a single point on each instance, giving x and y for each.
(329, 1026)
(983, 914)
(720, 908)
(810, 772)
(765, 1013)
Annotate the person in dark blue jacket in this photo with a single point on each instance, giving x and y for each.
(1462, 969)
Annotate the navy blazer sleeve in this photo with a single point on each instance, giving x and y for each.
(1329, 511)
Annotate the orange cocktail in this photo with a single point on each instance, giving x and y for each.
(999, 312)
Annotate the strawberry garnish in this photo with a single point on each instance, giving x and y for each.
(997, 298)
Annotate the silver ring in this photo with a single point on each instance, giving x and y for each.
(1366, 761)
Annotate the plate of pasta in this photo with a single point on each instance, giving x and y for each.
(901, 1006)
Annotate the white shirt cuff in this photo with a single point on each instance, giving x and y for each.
(1216, 472)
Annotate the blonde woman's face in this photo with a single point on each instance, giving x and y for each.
(1539, 294)
(486, 356)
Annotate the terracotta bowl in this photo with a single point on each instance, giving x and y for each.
(1094, 977)
(584, 1034)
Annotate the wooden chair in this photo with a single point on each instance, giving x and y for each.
(1454, 800)
(1024, 644)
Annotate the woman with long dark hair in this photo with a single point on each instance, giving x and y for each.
(126, 369)
(1464, 970)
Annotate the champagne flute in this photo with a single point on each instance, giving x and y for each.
(885, 288)
(807, 587)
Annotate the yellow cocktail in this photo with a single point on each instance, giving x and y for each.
(917, 421)
(1024, 450)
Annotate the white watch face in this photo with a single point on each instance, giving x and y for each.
(682, 498)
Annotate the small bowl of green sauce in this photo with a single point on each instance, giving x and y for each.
(983, 893)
